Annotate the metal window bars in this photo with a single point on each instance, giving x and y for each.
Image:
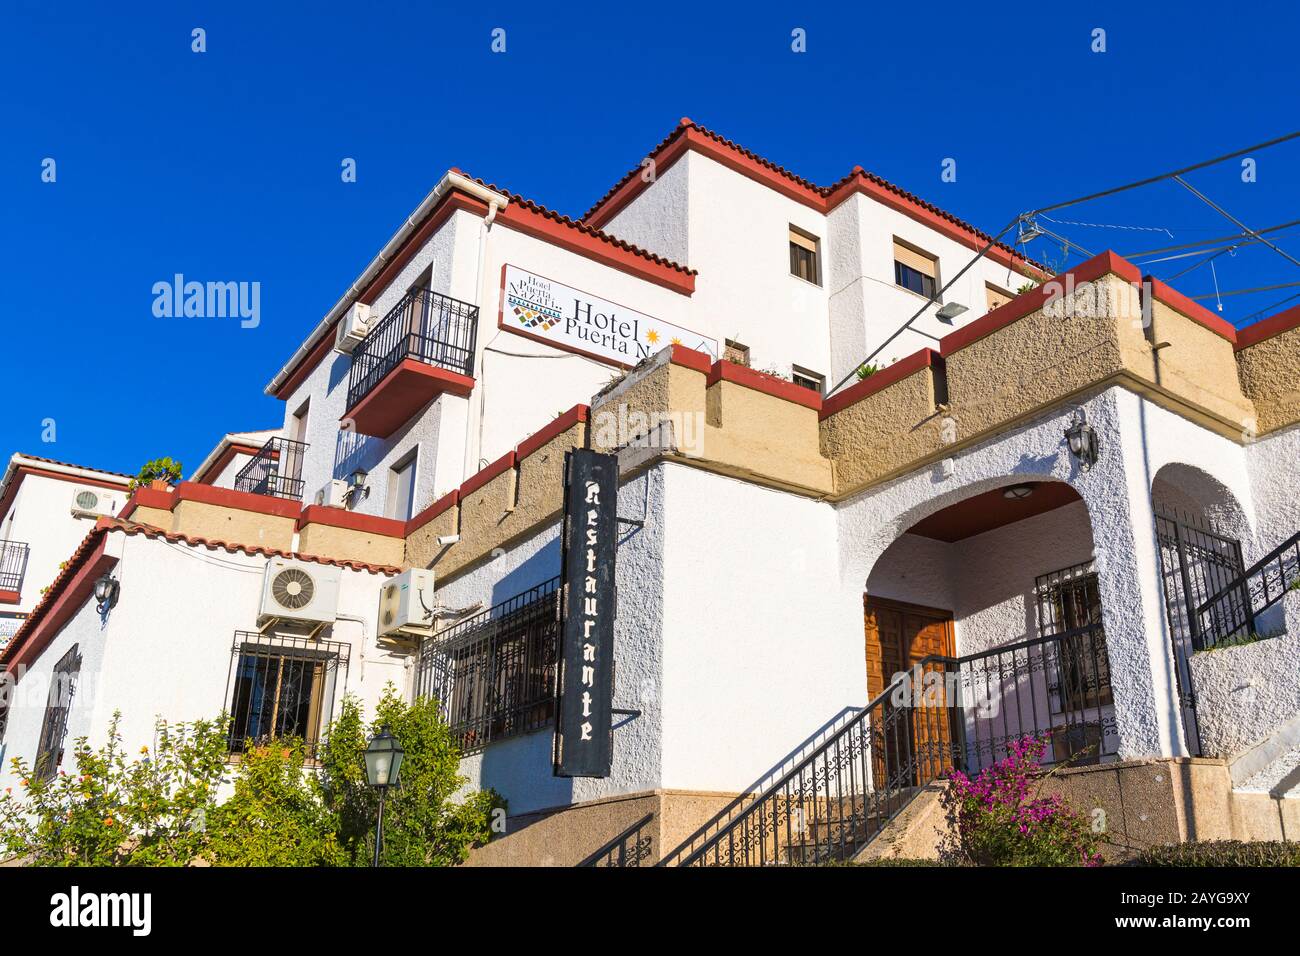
(276, 470)
(54, 727)
(13, 564)
(426, 326)
(495, 673)
(283, 686)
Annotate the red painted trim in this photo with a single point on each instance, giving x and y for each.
(432, 380)
(578, 413)
(808, 195)
(1033, 300)
(342, 518)
(148, 498)
(522, 219)
(476, 481)
(239, 500)
(72, 596)
(1197, 313)
(723, 371)
(308, 363)
(1266, 329)
(10, 597)
(225, 459)
(691, 358)
(450, 499)
(881, 380)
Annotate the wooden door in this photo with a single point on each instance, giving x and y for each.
(913, 742)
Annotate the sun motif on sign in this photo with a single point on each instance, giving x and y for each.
(676, 340)
(652, 336)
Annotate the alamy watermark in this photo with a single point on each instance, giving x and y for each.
(180, 298)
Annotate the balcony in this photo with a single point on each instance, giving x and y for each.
(423, 347)
(13, 565)
(276, 470)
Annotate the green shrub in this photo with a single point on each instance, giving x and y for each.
(1221, 853)
(158, 468)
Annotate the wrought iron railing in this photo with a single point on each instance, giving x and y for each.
(1231, 612)
(945, 714)
(425, 325)
(13, 564)
(276, 470)
(495, 672)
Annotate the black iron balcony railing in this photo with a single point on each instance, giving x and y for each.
(1231, 612)
(276, 470)
(13, 564)
(945, 714)
(426, 326)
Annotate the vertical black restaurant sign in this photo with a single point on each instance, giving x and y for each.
(583, 745)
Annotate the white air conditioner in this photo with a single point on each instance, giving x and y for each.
(94, 502)
(352, 327)
(334, 494)
(299, 591)
(406, 605)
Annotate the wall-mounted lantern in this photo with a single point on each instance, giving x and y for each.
(1084, 444)
(106, 590)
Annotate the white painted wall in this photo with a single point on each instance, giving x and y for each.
(165, 650)
(41, 515)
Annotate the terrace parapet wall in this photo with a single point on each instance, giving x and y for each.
(1268, 363)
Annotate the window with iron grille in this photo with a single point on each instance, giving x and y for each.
(1069, 603)
(63, 683)
(495, 672)
(283, 685)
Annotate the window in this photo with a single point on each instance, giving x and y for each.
(806, 379)
(805, 261)
(282, 686)
(1069, 604)
(401, 488)
(915, 270)
(737, 353)
(495, 673)
(298, 426)
(996, 297)
(63, 684)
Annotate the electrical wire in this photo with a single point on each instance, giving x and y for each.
(1212, 242)
(1052, 208)
(1233, 219)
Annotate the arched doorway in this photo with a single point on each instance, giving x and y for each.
(1203, 533)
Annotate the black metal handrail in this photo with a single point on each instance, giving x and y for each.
(1232, 611)
(13, 564)
(276, 470)
(944, 714)
(425, 325)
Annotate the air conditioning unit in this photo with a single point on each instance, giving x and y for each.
(299, 591)
(334, 494)
(406, 605)
(352, 327)
(94, 502)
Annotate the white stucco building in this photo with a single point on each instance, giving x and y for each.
(1066, 511)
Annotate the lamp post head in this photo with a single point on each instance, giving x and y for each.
(383, 759)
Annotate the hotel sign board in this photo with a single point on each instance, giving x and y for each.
(583, 741)
(567, 318)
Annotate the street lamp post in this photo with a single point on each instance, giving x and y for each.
(383, 764)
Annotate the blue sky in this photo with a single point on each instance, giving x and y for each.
(225, 165)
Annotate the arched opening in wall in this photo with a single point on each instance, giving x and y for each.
(1204, 538)
(983, 626)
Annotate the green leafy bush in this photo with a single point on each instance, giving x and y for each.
(149, 811)
(165, 469)
(277, 815)
(1221, 853)
(422, 826)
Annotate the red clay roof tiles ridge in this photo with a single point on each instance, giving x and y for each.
(68, 464)
(580, 226)
(824, 191)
